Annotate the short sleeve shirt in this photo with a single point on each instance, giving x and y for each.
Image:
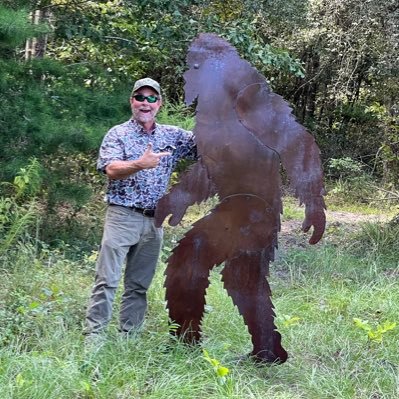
(127, 142)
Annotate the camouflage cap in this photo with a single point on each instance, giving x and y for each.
(146, 82)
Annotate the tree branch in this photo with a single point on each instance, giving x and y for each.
(119, 38)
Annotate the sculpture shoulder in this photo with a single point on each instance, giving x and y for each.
(257, 103)
(267, 116)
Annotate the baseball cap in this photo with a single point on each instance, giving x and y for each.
(146, 82)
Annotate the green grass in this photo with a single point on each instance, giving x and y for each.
(292, 210)
(317, 292)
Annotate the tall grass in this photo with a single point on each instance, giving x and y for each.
(318, 292)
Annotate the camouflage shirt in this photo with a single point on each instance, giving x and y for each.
(128, 141)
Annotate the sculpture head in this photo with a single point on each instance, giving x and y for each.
(207, 60)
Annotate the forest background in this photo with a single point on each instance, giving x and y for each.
(66, 71)
(67, 67)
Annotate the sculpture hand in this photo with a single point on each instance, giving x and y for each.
(166, 206)
(194, 187)
(316, 217)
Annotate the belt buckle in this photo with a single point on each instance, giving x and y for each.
(148, 212)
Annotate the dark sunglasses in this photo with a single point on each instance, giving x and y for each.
(140, 98)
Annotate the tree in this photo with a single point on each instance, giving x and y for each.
(350, 51)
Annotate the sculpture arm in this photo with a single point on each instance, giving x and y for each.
(193, 187)
(300, 157)
(269, 118)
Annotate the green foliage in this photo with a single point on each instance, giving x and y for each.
(151, 38)
(28, 180)
(176, 114)
(387, 157)
(289, 321)
(102, 38)
(350, 64)
(18, 208)
(344, 168)
(375, 334)
(48, 114)
(49, 295)
(265, 57)
(15, 220)
(350, 182)
(378, 239)
(291, 210)
(15, 28)
(220, 371)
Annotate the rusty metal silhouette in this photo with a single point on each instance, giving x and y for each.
(244, 132)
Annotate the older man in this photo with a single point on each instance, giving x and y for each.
(138, 158)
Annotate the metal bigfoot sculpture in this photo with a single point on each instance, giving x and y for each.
(244, 132)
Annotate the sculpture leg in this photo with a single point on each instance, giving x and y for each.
(245, 280)
(237, 224)
(186, 282)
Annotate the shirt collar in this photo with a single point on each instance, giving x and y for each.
(140, 128)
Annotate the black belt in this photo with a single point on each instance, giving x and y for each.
(144, 211)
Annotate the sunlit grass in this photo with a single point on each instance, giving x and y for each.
(317, 291)
(365, 209)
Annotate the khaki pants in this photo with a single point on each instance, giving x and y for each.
(131, 236)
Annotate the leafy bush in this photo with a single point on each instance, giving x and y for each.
(346, 167)
(378, 239)
(348, 182)
(19, 210)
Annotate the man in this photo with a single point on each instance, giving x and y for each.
(138, 157)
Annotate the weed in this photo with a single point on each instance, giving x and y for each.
(374, 334)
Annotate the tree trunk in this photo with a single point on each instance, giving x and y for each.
(36, 47)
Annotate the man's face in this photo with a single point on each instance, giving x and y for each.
(144, 112)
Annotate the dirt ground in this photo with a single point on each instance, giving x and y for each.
(338, 224)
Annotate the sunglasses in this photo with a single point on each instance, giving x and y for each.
(140, 98)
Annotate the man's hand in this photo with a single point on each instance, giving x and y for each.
(123, 169)
(151, 159)
(316, 217)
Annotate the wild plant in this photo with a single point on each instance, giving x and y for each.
(18, 206)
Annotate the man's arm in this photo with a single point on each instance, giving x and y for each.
(121, 169)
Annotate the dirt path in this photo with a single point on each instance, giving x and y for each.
(339, 223)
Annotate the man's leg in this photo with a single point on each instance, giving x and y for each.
(120, 233)
(140, 269)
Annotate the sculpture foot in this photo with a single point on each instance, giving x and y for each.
(266, 357)
(177, 343)
(190, 338)
(263, 358)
